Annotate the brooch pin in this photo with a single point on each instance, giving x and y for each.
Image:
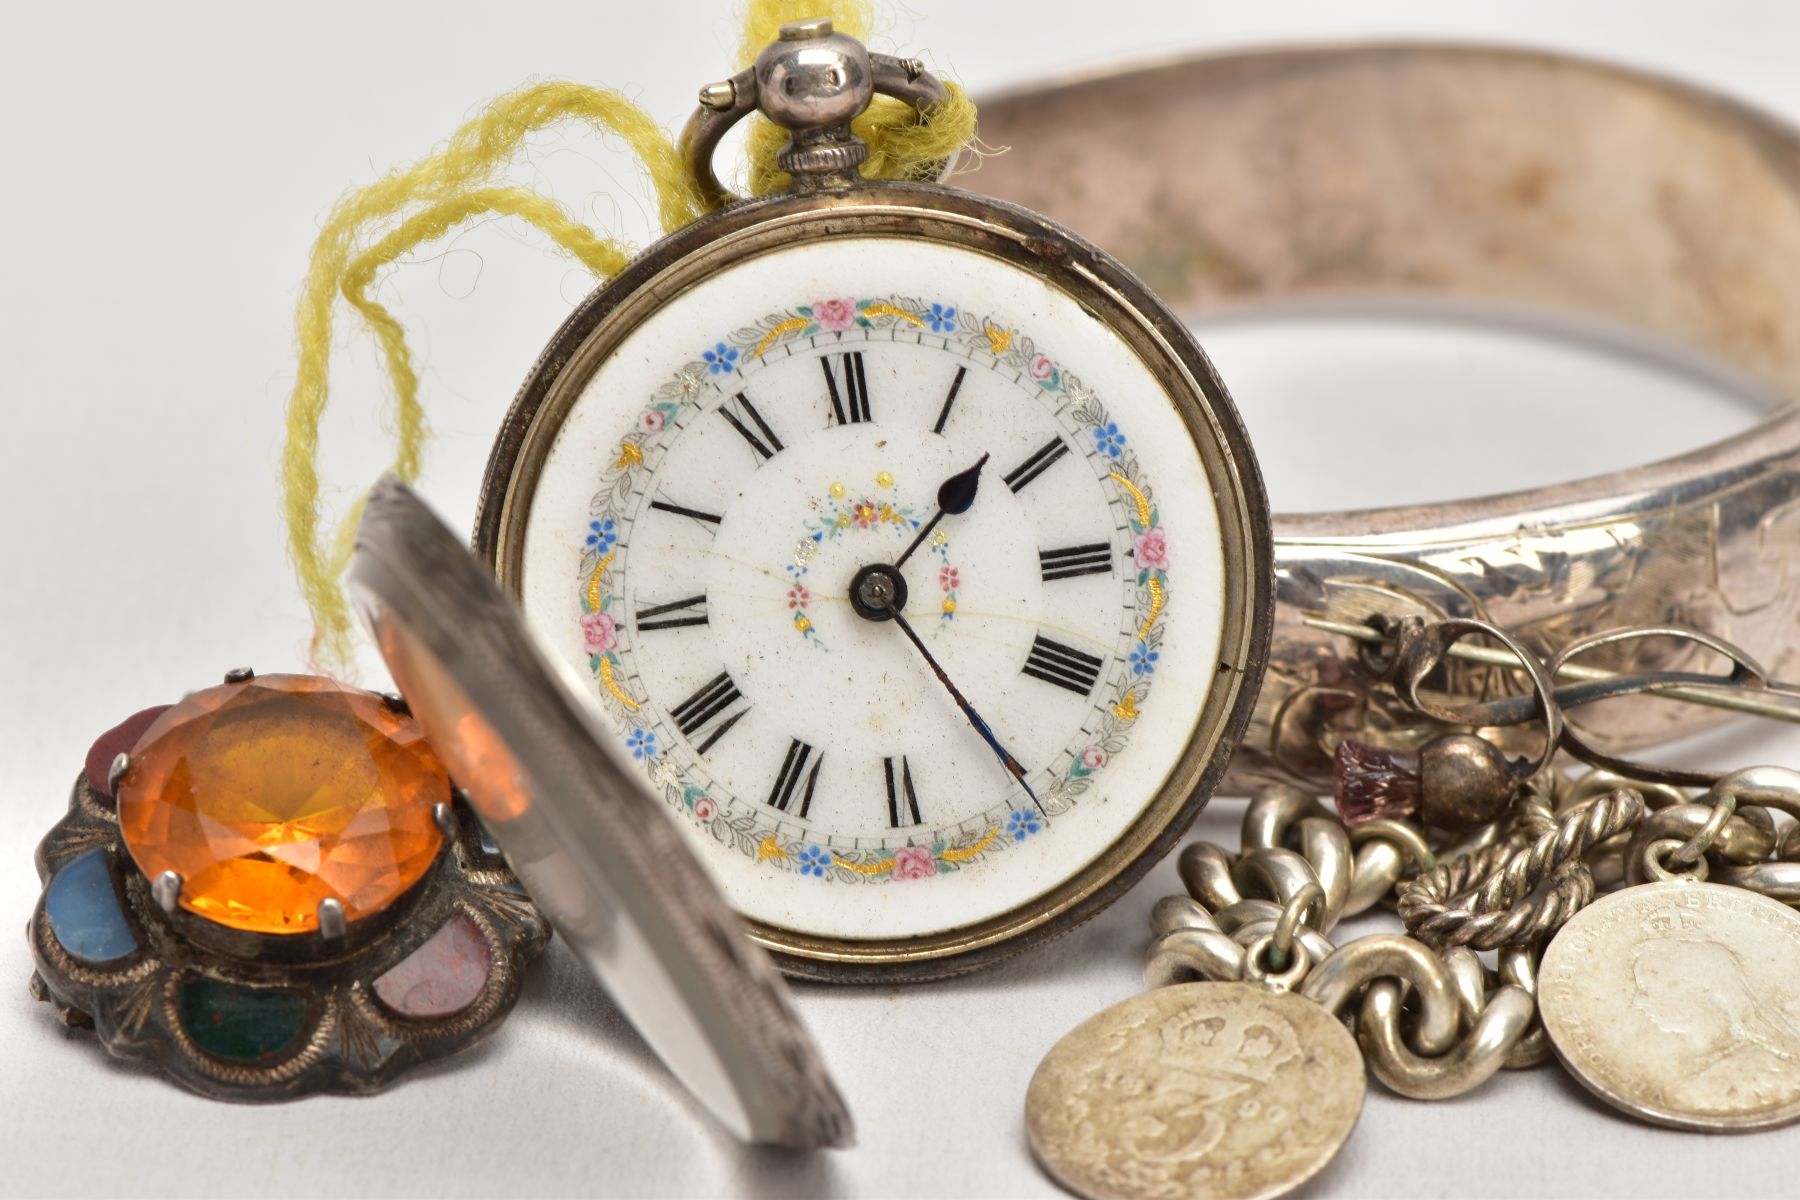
(271, 888)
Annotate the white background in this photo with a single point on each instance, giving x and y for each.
(167, 167)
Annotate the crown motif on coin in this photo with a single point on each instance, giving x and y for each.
(1671, 920)
(1250, 1048)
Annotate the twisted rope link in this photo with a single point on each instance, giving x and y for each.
(1492, 898)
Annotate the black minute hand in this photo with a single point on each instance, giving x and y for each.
(955, 495)
(968, 710)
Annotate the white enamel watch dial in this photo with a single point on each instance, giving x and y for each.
(738, 497)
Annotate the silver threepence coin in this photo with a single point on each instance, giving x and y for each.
(1680, 1003)
(1205, 1090)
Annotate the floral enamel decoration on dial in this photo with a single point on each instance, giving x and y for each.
(838, 516)
(826, 348)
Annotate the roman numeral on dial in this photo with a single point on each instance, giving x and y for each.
(682, 510)
(1062, 665)
(852, 405)
(1070, 561)
(673, 615)
(903, 801)
(949, 400)
(793, 771)
(742, 414)
(1037, 464)
(707, 708)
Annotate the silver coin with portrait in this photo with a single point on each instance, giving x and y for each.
(1679, 1003)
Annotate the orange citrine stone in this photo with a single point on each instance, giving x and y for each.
(272, 795)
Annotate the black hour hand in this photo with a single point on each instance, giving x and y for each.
(956, 495)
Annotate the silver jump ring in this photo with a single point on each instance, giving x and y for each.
(1656, 851)
(1255, 955)
(1692, 850)
(1281, 942)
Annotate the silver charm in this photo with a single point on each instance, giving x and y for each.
(1679, 1002)
(1207, 1090)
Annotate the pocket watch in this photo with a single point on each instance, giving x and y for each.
(913, 549)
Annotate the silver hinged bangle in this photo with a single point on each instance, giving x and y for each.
(1434, 171)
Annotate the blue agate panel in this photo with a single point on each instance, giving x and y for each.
(84, 911)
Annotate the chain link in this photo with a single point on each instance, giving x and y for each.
(1432, 1019)
(1299, 873)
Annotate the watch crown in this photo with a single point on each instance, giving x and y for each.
(814, 82)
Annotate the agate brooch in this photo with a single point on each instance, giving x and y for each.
(272, 888)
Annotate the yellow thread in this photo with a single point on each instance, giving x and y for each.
(968, 852)
(949, 604)
(998, 340)
(767, 849)
(1143, 505)
(612, 685)
(1126, 709)
(1156, 603)
(892, 310)
(875, 868)
(378, 225)
(780, 331)
(593, 588)
(630, 455)
(451, 187)
(802, 624)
